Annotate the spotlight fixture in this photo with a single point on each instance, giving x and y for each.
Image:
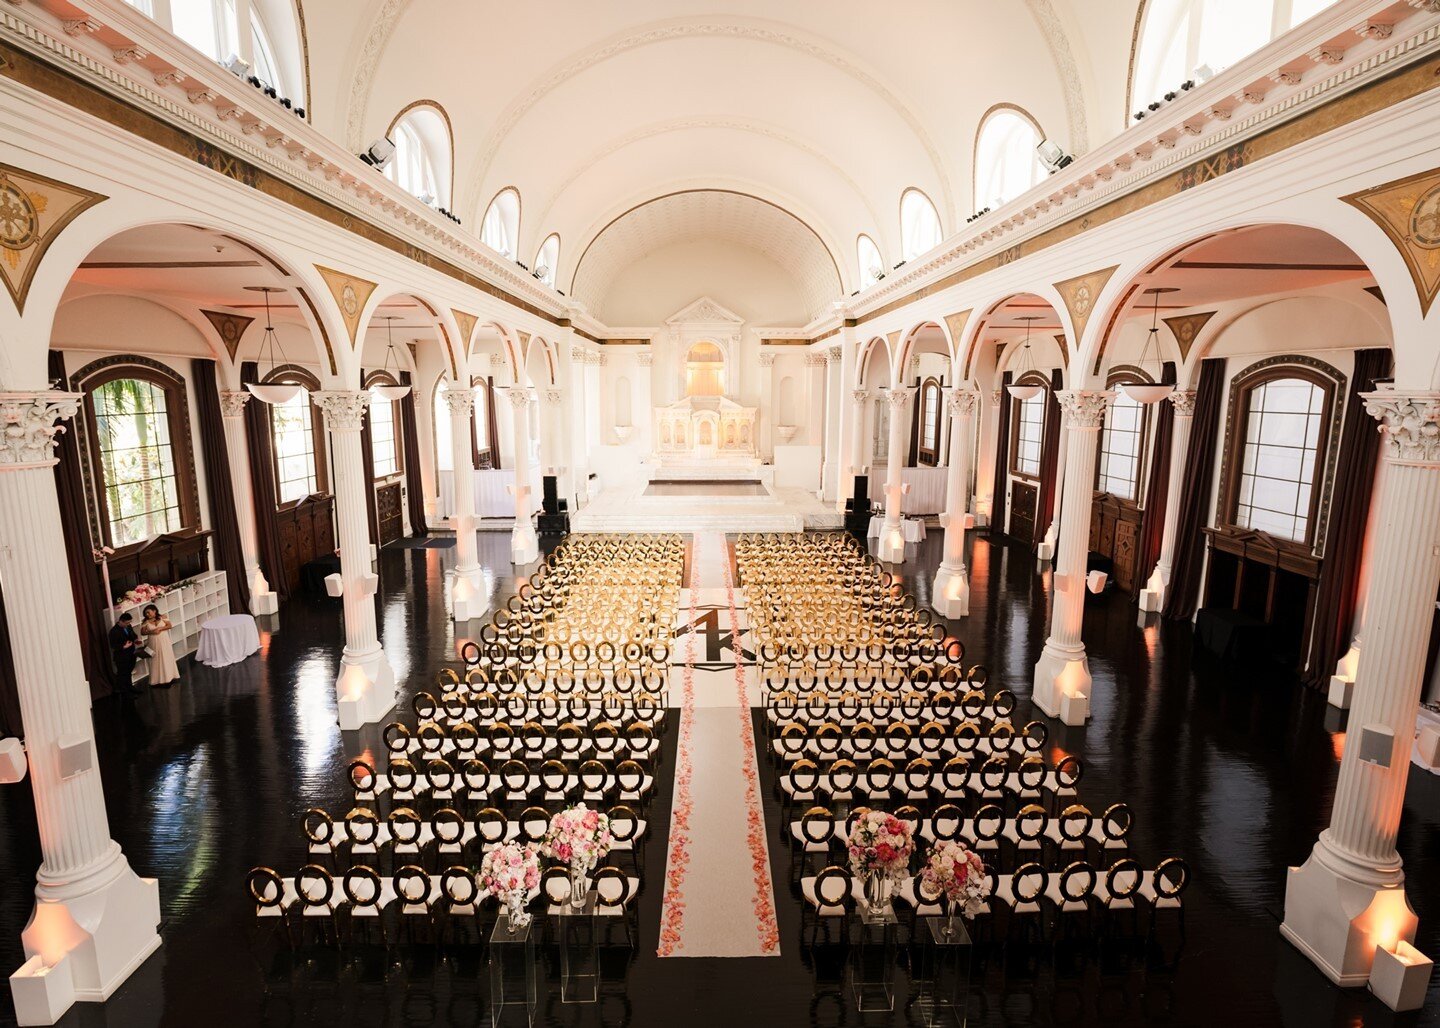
(236, 65)
(541, 270)
(270, 392)
(1153, 391)
(1204, 73)
(427, 199)
(390, 392)
(1029, 390)
(1052, 156)
(379, 153)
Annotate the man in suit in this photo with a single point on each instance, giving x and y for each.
(124, 646)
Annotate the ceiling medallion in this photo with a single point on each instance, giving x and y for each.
(19, 218)
(1425, 219)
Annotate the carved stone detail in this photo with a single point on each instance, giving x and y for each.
(767, 360)
(1410, 425)
(519, 397)
(29, 430)
(860, 396)
(233, 401)
(344, 411)
(1082, 409)
(816, 360)
(461, 401)
(1184, 401)
(962, 402)
(834, 354)
(645, 358)
(553, 397)
(897, 398)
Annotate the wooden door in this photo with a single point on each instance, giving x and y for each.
(1023, 497)
(1115, 533)
(387, 510)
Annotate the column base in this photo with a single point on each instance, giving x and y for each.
(467, 597)
(524, 544)
(99, 936)
(1152, 597)
(891, 548)
(1337, 912)
(365, 690)
(1062, 684)
(262, 600)
(950, 595)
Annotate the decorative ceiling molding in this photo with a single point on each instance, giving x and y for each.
(361, 82)
(230, 328)
(1408, 211)
(1186, 329)
(682, 124)
(34, 210)
(1080, 294)
(350, 295)
(1071, 87)
(758, 31)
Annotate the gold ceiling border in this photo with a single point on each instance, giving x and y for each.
(34, 210)
(1408, 212)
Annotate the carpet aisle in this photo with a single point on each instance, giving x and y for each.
(719, 901)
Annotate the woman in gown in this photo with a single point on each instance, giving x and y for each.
(156, 630)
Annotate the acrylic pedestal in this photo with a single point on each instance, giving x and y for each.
(579, 938)
(946, 982)
(872, 961)
(513, 991)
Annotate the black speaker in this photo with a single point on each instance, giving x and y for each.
(862, 492)
(551, 504)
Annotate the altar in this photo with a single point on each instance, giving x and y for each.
(705, 428)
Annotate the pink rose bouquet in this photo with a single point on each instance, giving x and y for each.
(510, 873)
(578, 837)
(958, 874)
(881, 844)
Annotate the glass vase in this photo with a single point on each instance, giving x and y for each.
(515, 911)
(577, 885)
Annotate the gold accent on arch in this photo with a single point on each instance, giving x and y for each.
(230, 327)
(956, 324)
(1186, 329)
(1080, 295)
(467, 323)
(350, 293)
(1408, 212)
(34, 210)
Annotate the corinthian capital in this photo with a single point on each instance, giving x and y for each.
(1082, 409)
(897, 398)
(28, 423)
(860, 396)
(767, 360)
(233, 401)
(1184, 401)
(460, 400)
(961, 402)
(1409, 424)
(519, 397)
(344, 411)
(553, 397)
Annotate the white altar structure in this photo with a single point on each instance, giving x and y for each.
(705, 428)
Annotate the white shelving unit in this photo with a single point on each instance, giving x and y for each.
(187, 610)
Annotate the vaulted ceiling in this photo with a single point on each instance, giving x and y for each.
(828, 112)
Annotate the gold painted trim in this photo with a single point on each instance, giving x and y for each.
(19, 288)
(1393, 207)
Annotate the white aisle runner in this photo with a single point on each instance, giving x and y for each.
(718, 897)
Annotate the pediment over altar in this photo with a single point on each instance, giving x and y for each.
(705, 313)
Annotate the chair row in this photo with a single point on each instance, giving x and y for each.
(533, 741)
(898, 740)
(514, 782)
(880, 780)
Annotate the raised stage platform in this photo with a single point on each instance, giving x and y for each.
(698, 505)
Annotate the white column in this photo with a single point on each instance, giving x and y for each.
(557, 451)
(859, 442)
(768, 413)
(1349, 896)
(237, 451)
(467, 593)
(1062, 675)
(815, 365)
(643, 400)
(834, 395)
(524, 544)
(94, 920)
(1152, 597)
(892, 538)
(365, 689)
(950, 595)
(987, 426)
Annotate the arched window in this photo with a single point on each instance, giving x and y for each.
(872, 267)
(1006, 163)
(138, 426)
(484, 415)
(271, 46)
(1122, 442)
(297, 439)
(928, 450)
(919, 224)
(387, 456)
(1028, 434)
(422, 162)
(501, 228)
(444, 440)
(546, 258)
(1282, 418)
(1178, 39)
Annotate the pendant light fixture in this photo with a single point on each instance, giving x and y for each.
(271, 392)
(1028, 390)
(390, 392)
(1152, 391)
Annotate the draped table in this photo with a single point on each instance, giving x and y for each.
(927, 490)
(227, 640)
(492, 492)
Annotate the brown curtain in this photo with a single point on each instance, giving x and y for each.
(494, 435)
(1157, 488)
(367, 455)
(414, 486)
(1184, 594)
(1049, 457)
(1002, 454)
(216, 452)
(262, 484)
(86, 582)
(10, 720)
(1337, 595)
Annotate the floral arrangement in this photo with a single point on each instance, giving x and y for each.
(881, 844)
(958, 874)
(510, 873)
(142, 593)
(578, 837)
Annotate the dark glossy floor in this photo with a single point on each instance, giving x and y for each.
(209, 778)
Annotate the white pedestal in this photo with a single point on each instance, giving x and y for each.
(1338, 919)
(365, 690)
(467, 599)
(1045, 552)
(262, 604)
(1341, 689)
(1152, 601)
(1427, 745)
(891, 549)
(42, 993)
(1401, 979)
(524, 544)
(951, 592)
(1059, 675)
